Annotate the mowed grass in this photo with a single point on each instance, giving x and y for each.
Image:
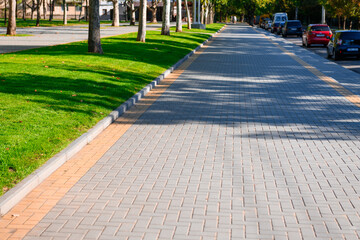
(210, 28)
(50, 96)
(17, 35)
(46, 23)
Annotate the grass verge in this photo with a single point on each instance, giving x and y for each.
(17, 35)
(46, 23)
(50, 96)
(210, 28)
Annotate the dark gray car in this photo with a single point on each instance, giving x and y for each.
(344, 44)
(292, 27)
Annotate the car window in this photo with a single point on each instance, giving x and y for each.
(320, 28)
(283, 19)
(350, 36)
(277, 19)
(294, 24)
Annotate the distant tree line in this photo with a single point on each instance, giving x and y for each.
(339, 13)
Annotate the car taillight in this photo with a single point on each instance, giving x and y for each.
(339, 41)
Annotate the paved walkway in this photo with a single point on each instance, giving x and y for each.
(47, 36)
(247, 143)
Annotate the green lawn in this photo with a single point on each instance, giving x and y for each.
(210, 28)
(17, 35)
(46, 23)
(50, 96)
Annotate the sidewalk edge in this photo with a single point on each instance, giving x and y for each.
(17, 193)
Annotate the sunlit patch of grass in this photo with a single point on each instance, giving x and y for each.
(17, 35)
(210, 28)
(47, 23)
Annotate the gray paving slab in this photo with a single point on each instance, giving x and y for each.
(246, 144)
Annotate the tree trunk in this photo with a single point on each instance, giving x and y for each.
(188, 15)
(94, 40)
(24, 10)
(165, 29)
(38, 13)
(178, 16)
(44, 8)
(51, 10)
(207, 14)
(116, 14)
(141, 36)
(202, 15)
(81, 9)
(351, 23)
(75, 10)
(172, 7)
(32, 9)
(65, 12)
(296, 12)
(339, 21)
(11, 27)
(344, 25)
(153, 14)
(5, 15)
(132, 9)
(211, 20)
(86, 10)
(323, 13)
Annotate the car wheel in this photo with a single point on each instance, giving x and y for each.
(328, 53)
(284, 35)
(335, 55)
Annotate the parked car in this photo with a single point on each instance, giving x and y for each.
(292, 27)
(262, 24)
(279, 29)
(268, 24)
(316, 34)
(263, 18)
(344, 44)
(278, 19)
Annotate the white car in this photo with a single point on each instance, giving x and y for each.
(268, 24)
(279, 19)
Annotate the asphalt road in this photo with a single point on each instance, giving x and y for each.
(349, 63)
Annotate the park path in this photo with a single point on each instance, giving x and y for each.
(233, 146)
(48, 36)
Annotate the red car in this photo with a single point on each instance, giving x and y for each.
(316, 34)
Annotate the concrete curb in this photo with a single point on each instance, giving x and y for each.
(16, 194)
